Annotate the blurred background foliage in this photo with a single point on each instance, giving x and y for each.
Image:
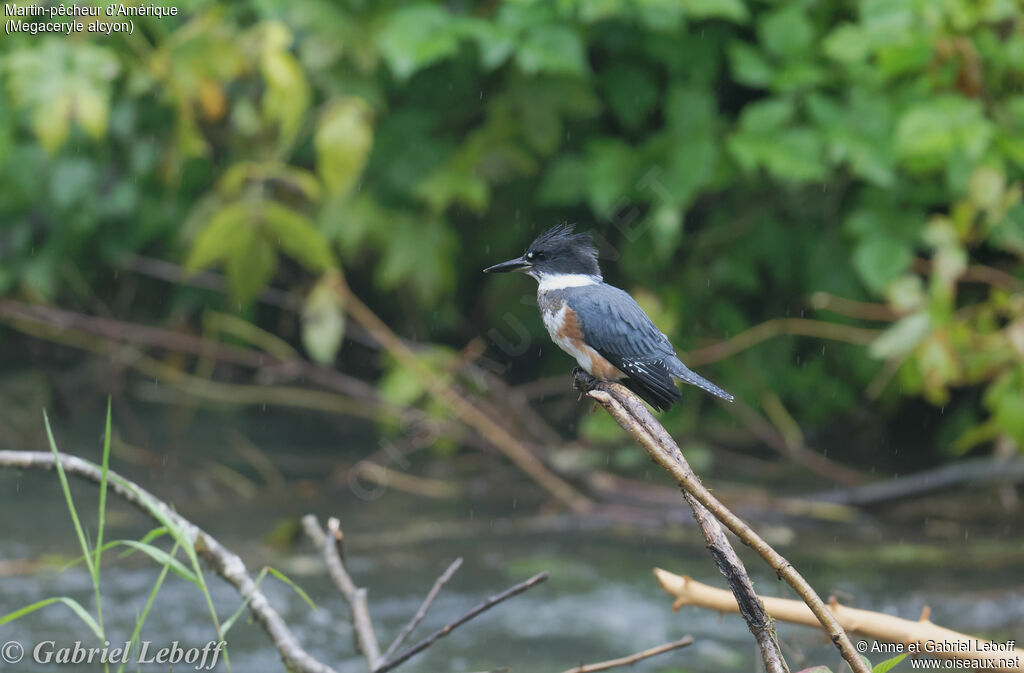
(854, 163)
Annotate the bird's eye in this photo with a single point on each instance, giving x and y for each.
(530, 256)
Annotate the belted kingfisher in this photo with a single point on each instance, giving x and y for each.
(600, 325)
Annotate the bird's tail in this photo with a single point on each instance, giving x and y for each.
(681, 372)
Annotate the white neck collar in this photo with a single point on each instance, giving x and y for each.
(560, 281)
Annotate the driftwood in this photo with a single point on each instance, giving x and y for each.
(865, 622)
(631, 414)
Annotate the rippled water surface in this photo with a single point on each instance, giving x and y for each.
(601, 600)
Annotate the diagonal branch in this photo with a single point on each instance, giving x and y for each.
(451, 626)
(225, 563)
(459, 405)
(422, 611)
(630, 413)
(633, 658)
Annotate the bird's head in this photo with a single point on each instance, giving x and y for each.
(557, 252)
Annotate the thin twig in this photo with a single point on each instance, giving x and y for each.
(451, 626)
(225, 563)
(630, 413)
(633, 658)
(362, 626)
(422, 611)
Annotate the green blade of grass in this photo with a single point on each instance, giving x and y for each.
(888, 664)
(295, 587)
(155, 553)
(75, 606)
(104, 468)
(176, 531)
(230, 621)
(157, 532)
(149, 603)
(70, 501)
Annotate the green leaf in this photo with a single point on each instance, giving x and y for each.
(930, 133)
(631, 92)
(287, 95)
(564, 183)
(344, 137)
(297, 237)
(880, 259)
(416, 36)
(610, 174)
(795, 154)
(158, 555)
(902, 337)
(731, 10)
(218, 236)
(60, 82)
(552, 49)
(786, 31)
(295, 587)
(749, 66)
(75, 606)
(848, 43)
(1005, 399)
(323, 321)
(495, 40)
(888, 664)
(250, 265)
(456, 181)
(767, 115)
(691, 165)
(690, 111)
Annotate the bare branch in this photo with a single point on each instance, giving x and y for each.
(422, 611)
(225, 563)
(633, 658)
(362, 626)
(451, 626)
(630, 413)
(748, 603)
(893, 629)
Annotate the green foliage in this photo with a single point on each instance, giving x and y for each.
(737, 156)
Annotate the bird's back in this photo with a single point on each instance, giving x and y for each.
(613, 324)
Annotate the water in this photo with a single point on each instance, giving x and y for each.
(600, 602)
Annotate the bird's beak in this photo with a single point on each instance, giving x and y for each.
(517, 264)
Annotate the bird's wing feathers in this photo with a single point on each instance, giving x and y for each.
(622, 333)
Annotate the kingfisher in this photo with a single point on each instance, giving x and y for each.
(598, 324)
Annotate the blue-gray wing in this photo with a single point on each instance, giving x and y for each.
(615, 326)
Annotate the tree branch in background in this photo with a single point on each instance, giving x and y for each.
(630, 413)
(459, 405)
(224, 562)
(777, 327)
(633, 658)
(972, 472)
(688, 591)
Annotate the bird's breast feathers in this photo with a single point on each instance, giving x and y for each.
(563, 325)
